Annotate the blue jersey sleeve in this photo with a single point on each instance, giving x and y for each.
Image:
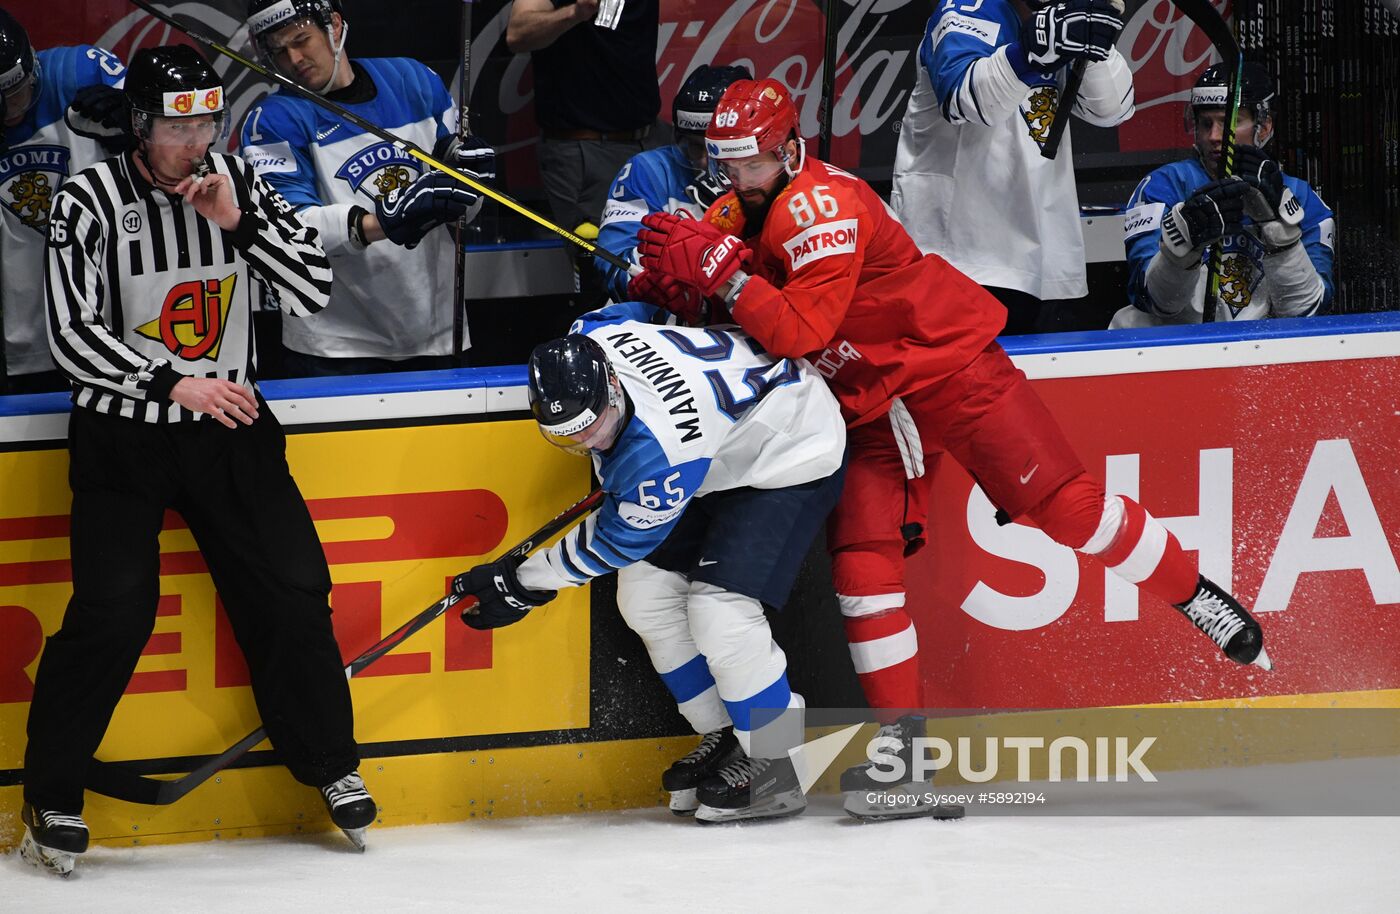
(646, 496)
(97, 65)
(960, 34)
(276, 141)
(1319, 237)
(643, 186)
(1142, 230)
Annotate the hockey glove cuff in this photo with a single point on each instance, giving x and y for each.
(501, 600)
(102, 113)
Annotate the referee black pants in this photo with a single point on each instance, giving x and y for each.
(233, 488)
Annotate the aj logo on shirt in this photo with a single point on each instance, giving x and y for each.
(29, 180)
(193, 318)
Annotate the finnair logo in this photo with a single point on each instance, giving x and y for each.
(274, 15)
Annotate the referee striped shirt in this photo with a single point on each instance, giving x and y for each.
(142, 291)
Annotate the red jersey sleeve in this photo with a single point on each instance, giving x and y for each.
(807, 262)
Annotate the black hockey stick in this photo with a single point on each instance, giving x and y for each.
(1208, 19)
(117, 780)
(408, 148)
(1068, 96)
(831, 7)
(459, 235)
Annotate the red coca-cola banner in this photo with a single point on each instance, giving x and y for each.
(1284, 477)
(877, 57)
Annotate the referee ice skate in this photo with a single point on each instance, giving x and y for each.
(151, 258)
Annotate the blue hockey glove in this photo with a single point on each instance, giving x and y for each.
(406, 214)
(501, 600)
(472, 155)
(1269, 202)
(1203, 219)
(1065, 31)
(706, 189)
(100, 112)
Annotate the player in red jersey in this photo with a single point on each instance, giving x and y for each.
(811, 262)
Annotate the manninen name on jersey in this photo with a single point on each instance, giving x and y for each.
(668, 382)
(385, 164)
(29, 180)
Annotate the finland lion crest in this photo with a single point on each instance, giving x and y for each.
(29, 180)
(1039, 112)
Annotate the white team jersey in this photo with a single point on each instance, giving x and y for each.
(713, 412)
(388, 301)
(970, 183)
(42, 152)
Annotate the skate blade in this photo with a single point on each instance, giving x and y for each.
(684, 802)
(917, 804)
(778, 806)
(357, 837)
(60, 863)
(1263, 661)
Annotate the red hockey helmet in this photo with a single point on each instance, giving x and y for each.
(753, 117)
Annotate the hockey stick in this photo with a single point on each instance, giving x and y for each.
(832, 7)
(115, 779)
(459, 264)
(402, 144)
(1068, 97)
(1208, 19)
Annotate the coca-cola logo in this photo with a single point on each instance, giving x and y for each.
(1166, 53)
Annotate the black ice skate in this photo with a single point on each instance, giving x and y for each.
(750, 788)
(52, 840)
(870, 796)
(1226, 622)
(717, 749)
(351, 807)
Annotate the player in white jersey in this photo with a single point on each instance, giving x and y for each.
(392, 306)
(42, 141)
(970, 183)
(720, 464)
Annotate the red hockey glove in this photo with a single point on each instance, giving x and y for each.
(696, 253)
(670, 293)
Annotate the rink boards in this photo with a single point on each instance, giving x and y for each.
(1274, 448)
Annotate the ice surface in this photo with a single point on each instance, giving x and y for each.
(650, 860)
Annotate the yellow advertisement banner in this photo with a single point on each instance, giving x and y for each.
(399, 511)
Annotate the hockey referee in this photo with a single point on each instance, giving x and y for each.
(151, 257)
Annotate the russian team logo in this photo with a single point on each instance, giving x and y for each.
(29, 180)
(193, 318)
